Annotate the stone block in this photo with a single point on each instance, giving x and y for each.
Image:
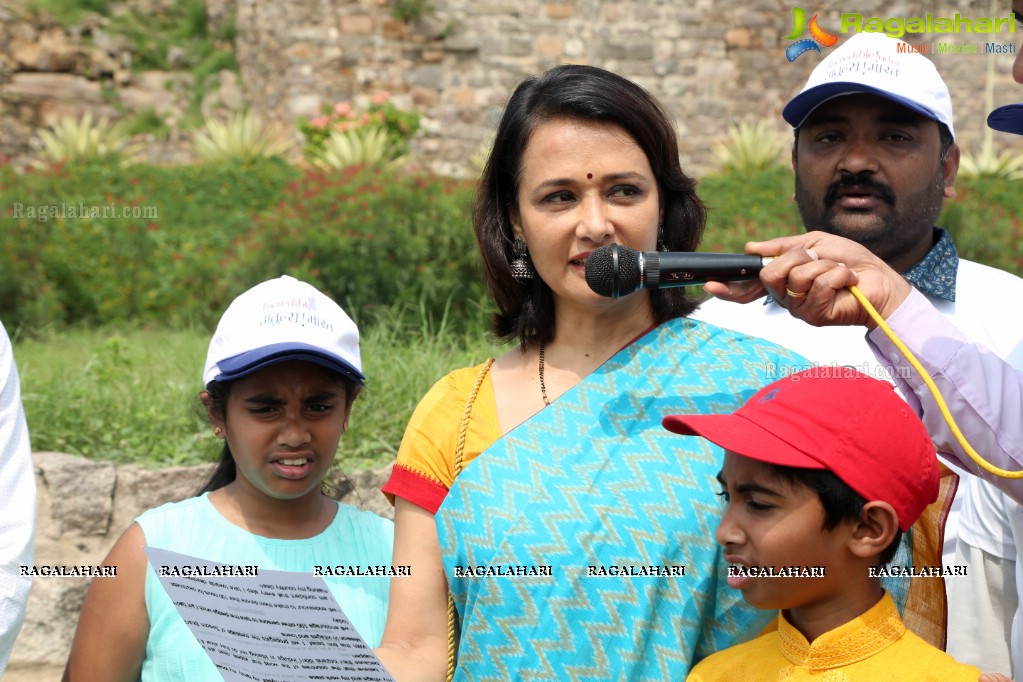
(462, 43)
(306, 105)
(424, 98)
(738, 38)
(392, 29)
(574, 47)
(559, 11)
(50, 620)
(357, 24)
(639, 49)
(613, 12)
(52, 50)
(549, 46)
(80, 491)
(519, 46)
(431, 76)
(463, 97)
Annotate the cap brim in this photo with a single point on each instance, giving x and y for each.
(253, 360)
(802, 105)
(736, 433)
(1007, 119)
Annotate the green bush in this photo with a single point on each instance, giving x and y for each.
(95, 245)
(750, 148)
(84, 140)
(195, 236)
(366, 147)
(374, 240)
(400, 125)
(243, 138)
(986, 223)
(182, 242)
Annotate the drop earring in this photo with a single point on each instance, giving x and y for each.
(521, 267)
(661, 246)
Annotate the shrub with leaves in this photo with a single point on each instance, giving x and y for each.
(990, 164)
(399, 125)
(95, 244)
(243, 138)
(749, 148)
(373, 239)
(367, 147)
(84, 140)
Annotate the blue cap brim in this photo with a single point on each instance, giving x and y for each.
(803, 104)
(1007, 119)
(253, 360)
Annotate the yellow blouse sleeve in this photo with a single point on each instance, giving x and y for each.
(424, 469)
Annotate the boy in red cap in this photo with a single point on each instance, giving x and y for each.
(823, 471)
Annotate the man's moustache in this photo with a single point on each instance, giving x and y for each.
(859, 182)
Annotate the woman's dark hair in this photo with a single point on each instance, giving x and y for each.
(841, 503)
(219, 391)
(525, 309)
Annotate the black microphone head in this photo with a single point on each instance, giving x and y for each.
(613, 270)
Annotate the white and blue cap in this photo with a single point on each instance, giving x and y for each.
(875, 64)
(283, 319)
(1007, 119)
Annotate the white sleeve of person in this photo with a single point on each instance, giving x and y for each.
(17, 503)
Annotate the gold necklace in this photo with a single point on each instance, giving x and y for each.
(543, 385)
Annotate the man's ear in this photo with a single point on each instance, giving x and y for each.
(949, 171)
(875, 530)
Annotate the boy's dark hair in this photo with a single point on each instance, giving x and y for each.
(226, 471)
(841, 503)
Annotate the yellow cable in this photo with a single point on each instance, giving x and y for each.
(974, 455)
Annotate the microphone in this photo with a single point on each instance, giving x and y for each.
(615, 270)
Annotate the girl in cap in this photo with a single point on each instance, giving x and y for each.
(281, 375)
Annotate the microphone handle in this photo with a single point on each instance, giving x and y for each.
(678, 269)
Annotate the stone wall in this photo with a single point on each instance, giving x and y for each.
(83, 506)
(712, 63)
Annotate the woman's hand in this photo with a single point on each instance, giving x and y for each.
(414, 647)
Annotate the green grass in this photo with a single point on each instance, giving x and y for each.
(123, 396)
(131, 396)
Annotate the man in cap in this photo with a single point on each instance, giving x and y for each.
(874, 157)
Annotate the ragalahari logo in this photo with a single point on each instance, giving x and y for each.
(818, 36)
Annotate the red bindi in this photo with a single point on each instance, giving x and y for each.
(589, 176)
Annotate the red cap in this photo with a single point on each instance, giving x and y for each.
(832, 418)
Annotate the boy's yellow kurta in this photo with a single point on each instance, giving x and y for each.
(874, 646)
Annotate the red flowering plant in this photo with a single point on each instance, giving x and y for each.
(382, 113)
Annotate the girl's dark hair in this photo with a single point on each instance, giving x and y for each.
(841, 503)
(525, 309)
(219, 391)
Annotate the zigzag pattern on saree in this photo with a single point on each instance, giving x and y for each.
(594, 481)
